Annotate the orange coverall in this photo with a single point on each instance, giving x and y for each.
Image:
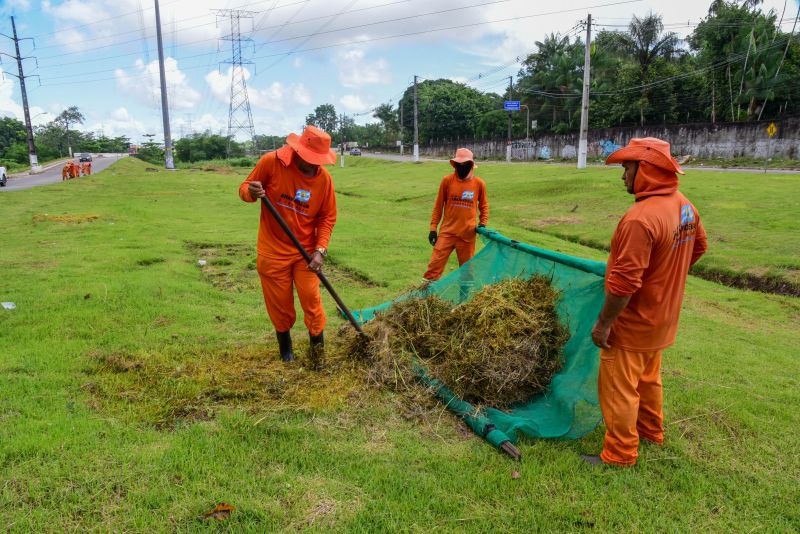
(459, 201)
(66, 172)
(86, 168)
(308, 205)
(654, 245)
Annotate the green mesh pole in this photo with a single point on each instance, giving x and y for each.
(472, 417)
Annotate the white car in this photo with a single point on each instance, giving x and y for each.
(3, 177)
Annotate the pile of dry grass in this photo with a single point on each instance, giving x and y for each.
(501, 347)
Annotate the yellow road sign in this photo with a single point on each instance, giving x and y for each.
(772, 130)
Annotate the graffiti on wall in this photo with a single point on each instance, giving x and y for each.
(569, 152)
(608, 146)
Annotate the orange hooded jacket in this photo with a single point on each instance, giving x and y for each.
(654, 245)
(459, 201)
(308, 205)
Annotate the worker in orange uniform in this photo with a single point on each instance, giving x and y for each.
(74, 171)
(654, 245)
(66, 172)
(293, 179)
(461, 196)
(86, 168)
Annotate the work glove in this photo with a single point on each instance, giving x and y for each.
(432, 237)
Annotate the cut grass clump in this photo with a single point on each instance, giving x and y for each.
(502, 347)
(65, 219)
(145, 262)
(196, 384)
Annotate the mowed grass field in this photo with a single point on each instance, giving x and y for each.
(138, 389)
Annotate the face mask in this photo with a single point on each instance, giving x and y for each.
(463, 169)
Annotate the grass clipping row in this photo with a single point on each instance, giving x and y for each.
(501, 347)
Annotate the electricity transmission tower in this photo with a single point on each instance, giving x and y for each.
(240, 117)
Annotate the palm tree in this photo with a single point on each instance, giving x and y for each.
(646, 41)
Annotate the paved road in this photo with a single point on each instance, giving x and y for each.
(53, 174)
(397, 157)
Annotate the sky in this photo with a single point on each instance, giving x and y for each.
(102, 57)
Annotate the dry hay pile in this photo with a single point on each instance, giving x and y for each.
(501, 347)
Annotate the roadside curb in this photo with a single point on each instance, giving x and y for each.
(49, 166)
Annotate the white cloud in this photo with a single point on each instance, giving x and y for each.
(192, 22)
(9, 107)
(119, 122)
(355, 71)
(354, 103)
(276, 97)
(10, 7)
(145, 86)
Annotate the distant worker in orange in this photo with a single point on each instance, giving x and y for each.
(301, 189)
(86, 168)
(74, 170)
(462, 195)
(66, 172)
(654, 245)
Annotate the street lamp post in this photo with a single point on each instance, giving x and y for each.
(527, 122)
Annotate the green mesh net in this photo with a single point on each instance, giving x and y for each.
(569, 408)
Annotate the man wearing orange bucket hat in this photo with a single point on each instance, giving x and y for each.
(294, 180)
(654, 245)
(461, 196)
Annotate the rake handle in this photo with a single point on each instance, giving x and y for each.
(282, 223)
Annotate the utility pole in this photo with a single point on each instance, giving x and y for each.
(583, 142)
(341, 134)
(240, 116)
(401, 126)
(32, 157)
(508, 142)
(169, 163)
(416, 124)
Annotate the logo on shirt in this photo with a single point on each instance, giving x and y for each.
(685, 231)
(302, 195)
(468, 195)
(687, 214)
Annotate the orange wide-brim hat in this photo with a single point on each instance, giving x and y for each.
(464, 155)
(314, 146)
(650, 149)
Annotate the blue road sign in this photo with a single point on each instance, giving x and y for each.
(511, 105)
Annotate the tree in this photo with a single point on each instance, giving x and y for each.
(13, 140)
(447, 109)
(324, 118)
(552, 81)
(646, 42)
(202, 146)
(71, 115)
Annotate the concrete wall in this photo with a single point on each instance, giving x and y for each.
(721, 140)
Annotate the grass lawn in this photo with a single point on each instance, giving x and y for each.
(139, 389)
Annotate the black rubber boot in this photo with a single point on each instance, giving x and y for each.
(285, 345)
(316, 351)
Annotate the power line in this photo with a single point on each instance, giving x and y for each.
(384, 38)
(396, 36)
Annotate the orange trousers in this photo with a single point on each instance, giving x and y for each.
(278, 274)
(441, 253)
(629, 387)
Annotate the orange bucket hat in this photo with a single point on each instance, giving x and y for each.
(314, 146)
(650, 149)
(463, 155)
